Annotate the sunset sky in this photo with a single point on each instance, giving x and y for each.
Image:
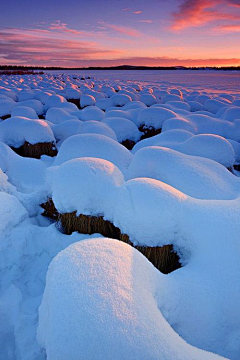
(74, 33)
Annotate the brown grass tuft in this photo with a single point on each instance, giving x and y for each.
(36, 150)
(148, 131)
(75, 101)
(49, 210)
(86, 224)
(5, 117)
(129, 144)
(163, 258)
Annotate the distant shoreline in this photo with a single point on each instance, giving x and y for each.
(9, 68)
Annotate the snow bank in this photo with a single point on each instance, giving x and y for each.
(12, 213)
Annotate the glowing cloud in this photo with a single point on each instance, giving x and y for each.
(200, 12)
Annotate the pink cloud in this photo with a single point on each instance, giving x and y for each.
(34, 47)
(228, 28)
(60, 26)
(121, 29)
(200, 12)
(137, 12)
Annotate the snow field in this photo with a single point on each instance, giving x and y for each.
(102, 298)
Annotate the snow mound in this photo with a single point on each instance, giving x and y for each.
(54, 101)
(6, 106)
(85, 185)
(56, 115)
(195, 176)
(99, 303)
(97, 127)
(205, 145)
(91, 113)
(93, 145)
(34, 104)
(123, 128)
(24, 111)
(166, 139)
(87, 100)
(154, 116)
(65, 129)
(15, 131)
(120, 99)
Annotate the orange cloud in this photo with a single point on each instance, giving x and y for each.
(228, 28)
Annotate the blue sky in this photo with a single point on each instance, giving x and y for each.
(139, 32)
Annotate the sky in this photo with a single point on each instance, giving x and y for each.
(76, 33)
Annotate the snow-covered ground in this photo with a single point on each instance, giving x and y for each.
(153, 155)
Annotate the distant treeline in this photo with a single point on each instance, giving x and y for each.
(32, 69)
(18, 71)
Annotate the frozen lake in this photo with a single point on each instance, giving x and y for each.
(207, 80)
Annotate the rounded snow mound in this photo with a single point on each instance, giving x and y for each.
(232, 113)
(209, 146)
(6, 106)
(56, 115)
(99, 303)
(16, 130)
(97, 127)
(165, 139)
(120, 99)
(91, 113)
(87, 100)
(148, 99)
(54, 101)
(154, 116)
(93, 145)
(195, 176)
(85, 185)
(34, 104)
(24, 111)
(73, 94)
(65, 129)
(123, 128)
